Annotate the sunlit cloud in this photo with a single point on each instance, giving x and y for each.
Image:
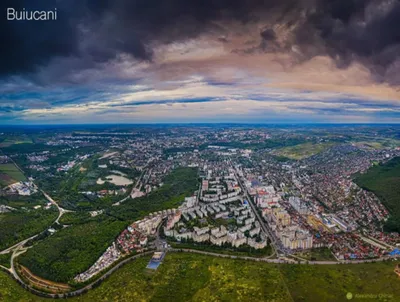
(260, 65)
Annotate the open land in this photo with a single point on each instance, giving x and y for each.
(187, 277)
(303, 150)
(9, 174)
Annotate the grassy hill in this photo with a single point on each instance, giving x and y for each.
(188, 277)
(384, 181)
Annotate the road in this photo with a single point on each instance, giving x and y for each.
(268, 260)
(61, 210)
(18, 251)
(17, 245)
(160, 243)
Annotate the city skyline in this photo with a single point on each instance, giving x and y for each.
(267, 62)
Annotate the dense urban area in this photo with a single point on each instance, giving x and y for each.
(79, 202)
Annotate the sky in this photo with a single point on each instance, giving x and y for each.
(169, 61)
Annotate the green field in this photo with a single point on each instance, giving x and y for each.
(302, 151)
(377, 143)
(9, 174)
(384, 181)
(185, 277)
(268, 143)
(320, 254)
(19, 201)
(12, 140)
(243, 250)
(189, 277)
(333, 282)
(21, 224)
(370, 144)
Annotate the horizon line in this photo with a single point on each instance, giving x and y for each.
(202, 123)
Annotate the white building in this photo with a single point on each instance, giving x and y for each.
(298, 205)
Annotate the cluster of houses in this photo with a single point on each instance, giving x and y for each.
(133, 239)
(111, 255)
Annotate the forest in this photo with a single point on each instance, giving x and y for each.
(384, 181)
(72, 250)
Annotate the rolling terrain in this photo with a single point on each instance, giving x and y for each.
(187, 277)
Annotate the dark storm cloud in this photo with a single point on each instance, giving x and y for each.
(366, 31)
(26, 45)
(362, 30)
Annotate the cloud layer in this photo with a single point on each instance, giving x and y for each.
(158, 60)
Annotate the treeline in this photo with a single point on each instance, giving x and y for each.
(21, 224)
(17, 201)
(29, 148)
(77, 218)
(225, 248)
